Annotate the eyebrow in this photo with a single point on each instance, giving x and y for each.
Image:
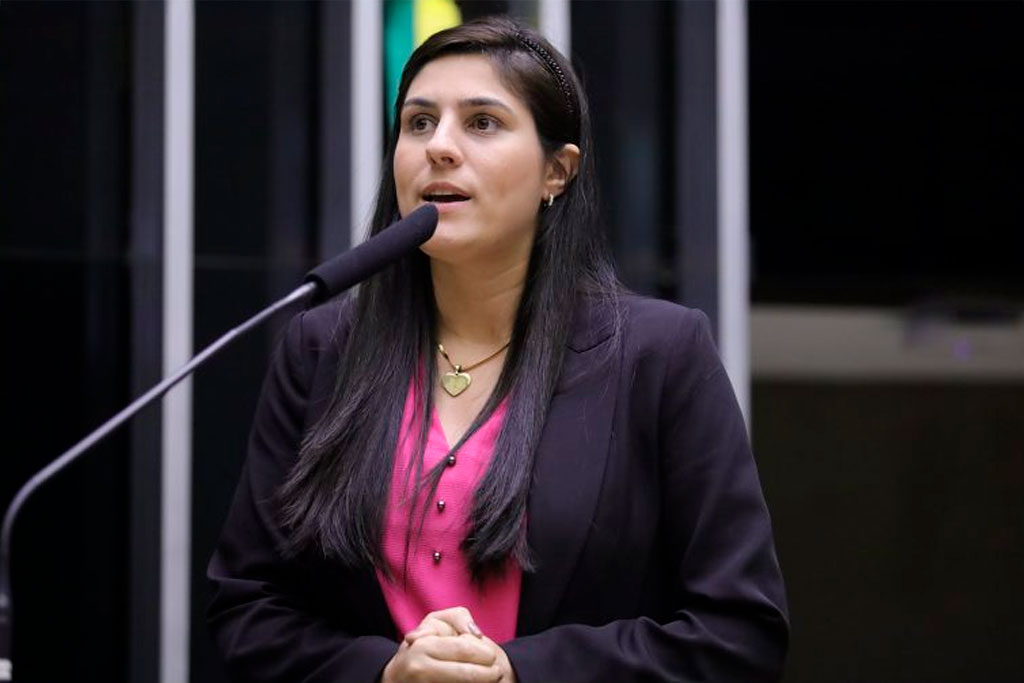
(463, 104)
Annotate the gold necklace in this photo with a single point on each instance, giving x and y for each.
(458, 380)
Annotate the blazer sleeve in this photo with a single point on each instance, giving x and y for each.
(265, 625)
(728, 609)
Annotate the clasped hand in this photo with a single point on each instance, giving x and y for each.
(448, 646)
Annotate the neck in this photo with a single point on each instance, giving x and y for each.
(477, 306)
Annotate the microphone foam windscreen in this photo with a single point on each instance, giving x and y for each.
(384, 248)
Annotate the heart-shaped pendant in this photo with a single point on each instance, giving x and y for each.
(455, 382)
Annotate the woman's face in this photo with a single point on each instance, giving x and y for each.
(470, 146)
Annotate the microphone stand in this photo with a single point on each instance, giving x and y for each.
(72, 454)
(327, 279)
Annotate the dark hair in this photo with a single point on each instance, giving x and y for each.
(335, 498)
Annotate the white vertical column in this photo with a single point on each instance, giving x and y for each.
(556, 23)
(733, 205)
(367, 113)
(177, 322)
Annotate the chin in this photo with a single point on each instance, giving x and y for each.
(447, 244)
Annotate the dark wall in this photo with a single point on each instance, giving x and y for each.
(622, 52)
(886, 148)
(899, 523)
(64, 276)
(885, 152)
(255, 223)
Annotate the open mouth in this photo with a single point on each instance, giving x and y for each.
(444, 197)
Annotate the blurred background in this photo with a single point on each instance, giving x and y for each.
(840, 185)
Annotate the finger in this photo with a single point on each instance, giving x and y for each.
(463, 648)
(430, 627)
(413, 664)
(458, 618)
(502, 661)
(439, 671)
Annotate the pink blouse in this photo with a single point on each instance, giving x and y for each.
(437, 575)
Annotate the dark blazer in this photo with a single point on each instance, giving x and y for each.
(654, 551)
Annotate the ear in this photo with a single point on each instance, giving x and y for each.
(561, 169)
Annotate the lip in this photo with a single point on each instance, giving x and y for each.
(438, 187)
(445, 207)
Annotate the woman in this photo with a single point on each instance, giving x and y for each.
(491, 448)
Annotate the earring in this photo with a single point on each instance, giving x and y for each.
(549, 201)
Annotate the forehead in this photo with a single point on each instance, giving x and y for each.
(461, 77)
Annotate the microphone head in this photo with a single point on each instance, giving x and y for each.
(422, 223)
(384, 248)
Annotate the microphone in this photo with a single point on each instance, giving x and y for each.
(326, 280)
(350, 267)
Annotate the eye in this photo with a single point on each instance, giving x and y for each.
(484, 123)
(418, 123)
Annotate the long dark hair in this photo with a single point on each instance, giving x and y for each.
(335, 498)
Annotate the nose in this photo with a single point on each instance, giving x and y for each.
(442, 147)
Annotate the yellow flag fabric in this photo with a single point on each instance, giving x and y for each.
(431, 16)
(407, 23)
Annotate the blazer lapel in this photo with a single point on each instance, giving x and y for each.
(569, 466)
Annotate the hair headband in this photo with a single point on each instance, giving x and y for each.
(552, 66)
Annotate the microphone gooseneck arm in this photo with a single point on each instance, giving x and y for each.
(321, 283)
(101, 432)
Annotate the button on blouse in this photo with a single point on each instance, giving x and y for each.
(437, 575)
